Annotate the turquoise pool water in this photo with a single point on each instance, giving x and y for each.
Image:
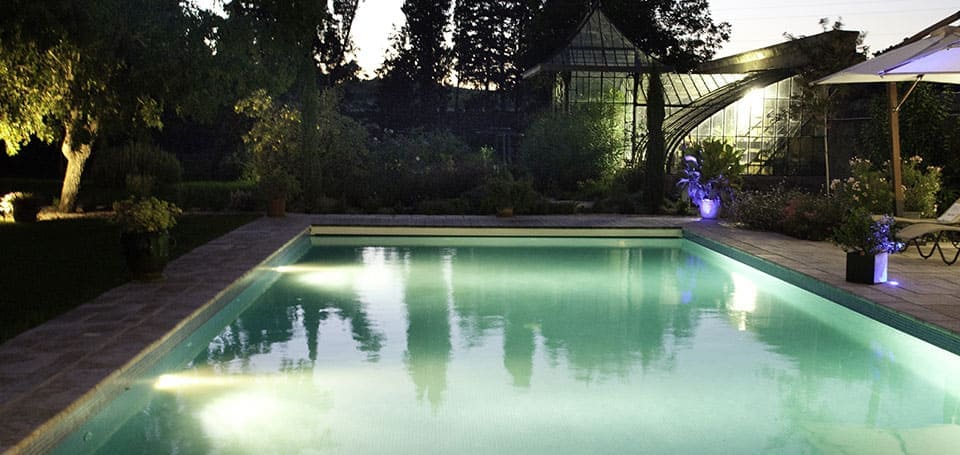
(470, 345)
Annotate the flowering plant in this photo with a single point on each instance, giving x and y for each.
(860, 232)
(866, 187)
(920, 187)
(870, 187)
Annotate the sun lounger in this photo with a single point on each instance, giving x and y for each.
(916, 233)
(951, 216)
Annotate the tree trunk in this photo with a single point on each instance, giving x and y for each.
(76, 160)
(656, 152)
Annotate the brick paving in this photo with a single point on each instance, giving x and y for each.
(91, 351)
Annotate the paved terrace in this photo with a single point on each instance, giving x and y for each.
(45, 371)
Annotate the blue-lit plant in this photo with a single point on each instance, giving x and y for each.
(710, 171)
(861, 233)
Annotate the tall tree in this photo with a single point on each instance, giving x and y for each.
(71, 70)
(417, 65)
(486, 41)
(291, 49)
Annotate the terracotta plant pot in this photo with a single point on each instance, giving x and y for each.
(277, 208)
(147, 254)
(866, 268)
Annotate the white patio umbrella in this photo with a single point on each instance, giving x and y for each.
(934, 58)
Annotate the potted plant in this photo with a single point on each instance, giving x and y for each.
(145, 224)
(867, 242)
(274, 145)
(278, 186)
(705, 179)
(23, 206)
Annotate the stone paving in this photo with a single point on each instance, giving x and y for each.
(50, 373)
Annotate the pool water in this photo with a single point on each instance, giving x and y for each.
(470, 345)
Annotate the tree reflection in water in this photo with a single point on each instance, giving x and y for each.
(428, 324)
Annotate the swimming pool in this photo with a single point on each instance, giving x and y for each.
(506, 345)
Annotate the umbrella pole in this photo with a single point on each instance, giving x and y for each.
(895, 137)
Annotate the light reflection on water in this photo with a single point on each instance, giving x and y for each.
(484, 349)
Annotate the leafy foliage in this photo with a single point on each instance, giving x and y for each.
(711, 170)
(870, 186)
(810, 216)
(502, 192)
(119, 167)
(78, 69)
(486, 39)
(145, 215)
(273, 142)
(563, 151)
(411, 168)
(340, 158)
(419, 61)
(215, 196)
(920, 187)
(926, 127)
(859, 232)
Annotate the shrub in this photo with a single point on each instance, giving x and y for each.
(920, 187)
(792, 212)
(216, 196)
(761, 210)
(139, 167)
(866, 187)
(562, 151)
(419, 166)
(505, 192)
(860, 232)
(145, 215)
(810, 216)
(339, 165)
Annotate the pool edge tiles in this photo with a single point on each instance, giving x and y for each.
(906, 323)
(52, 433)
(443, 231)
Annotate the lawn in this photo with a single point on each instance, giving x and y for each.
(50, 267)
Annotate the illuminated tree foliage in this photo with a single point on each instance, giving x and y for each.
(417, 64)
(290, 48)
(72, 70)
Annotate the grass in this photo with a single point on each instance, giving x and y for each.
(50, 267)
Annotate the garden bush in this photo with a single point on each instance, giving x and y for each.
(811, 216)
(412, 168)
(760, 210)
(795, 213)
(563, 151)
(216, 196)
(139, 167)
(339, 164)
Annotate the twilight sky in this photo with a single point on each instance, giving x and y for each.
(756, 23)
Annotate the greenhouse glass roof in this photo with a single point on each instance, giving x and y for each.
(597, 46)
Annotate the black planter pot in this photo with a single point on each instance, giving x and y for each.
(147, 254)
(866, 268)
